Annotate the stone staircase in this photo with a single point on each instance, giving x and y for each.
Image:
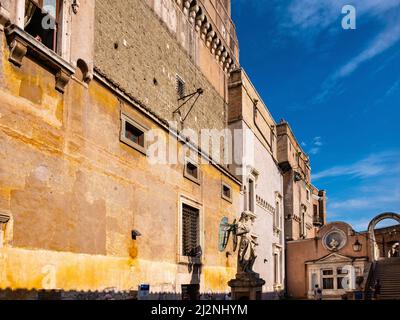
(388, 272)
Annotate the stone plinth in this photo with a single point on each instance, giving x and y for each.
(246, 286)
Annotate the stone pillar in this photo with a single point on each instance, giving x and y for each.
(246, 286)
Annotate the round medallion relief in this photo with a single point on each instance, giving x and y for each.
(334, 240)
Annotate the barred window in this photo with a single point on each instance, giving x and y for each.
(190, 231)
(180, 86)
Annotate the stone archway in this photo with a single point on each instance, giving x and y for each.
(371, 232)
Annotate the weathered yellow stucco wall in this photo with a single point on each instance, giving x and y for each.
(74, 192)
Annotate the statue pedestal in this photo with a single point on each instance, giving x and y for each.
(246, 286)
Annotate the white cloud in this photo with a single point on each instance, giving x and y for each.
(371, 193)
(369, 202)
(372, 165)
(393, 88)
(314, 151)
(317, 141)
(319, 14)
(308, 18)
(315, 145)
(382, 42)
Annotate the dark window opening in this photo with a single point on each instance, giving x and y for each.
(41, 21)
(192, 170)
(251, 196)
(190, 231)
(180, 87)
(226, 192)
(327, 272)
(327, 283)
(190, 292)
(276, 268)
(134, 134)
(315, 211)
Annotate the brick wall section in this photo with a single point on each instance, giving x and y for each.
(151, 55)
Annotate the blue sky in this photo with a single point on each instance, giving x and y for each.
(339, 90)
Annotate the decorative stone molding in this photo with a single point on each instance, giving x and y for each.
(196, 16)
(62, 79)
(296, 218)
(214, 45)
(199, 21)
(209, 38)
(186, 6)
(205, 27)
(22, 44)
(334, 240)
(193, 13)
(4, 218)
(18, 51)
(265, 205)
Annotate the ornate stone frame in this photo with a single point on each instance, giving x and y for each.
(126, 119)
(334, 230)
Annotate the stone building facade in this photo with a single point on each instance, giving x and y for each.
(342, 261)
(328, 260)
(81, 206)
(89, 91)
(261, 177)
(305, 205)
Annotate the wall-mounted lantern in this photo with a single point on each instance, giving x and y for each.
(135, 234)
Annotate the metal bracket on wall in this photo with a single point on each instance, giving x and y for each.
(186, 99)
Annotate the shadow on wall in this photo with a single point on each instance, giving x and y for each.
(194, 266)
(24, 294)
(53, 295)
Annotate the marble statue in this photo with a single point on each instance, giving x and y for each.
(247, 243)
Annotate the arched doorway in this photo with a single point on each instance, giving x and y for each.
(371, 231)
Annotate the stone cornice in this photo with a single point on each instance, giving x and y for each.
(198, 17)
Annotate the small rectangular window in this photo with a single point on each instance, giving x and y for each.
(327, 272)
(328, 279)
(192, 171)
(190, 231)
(180, 86)
(226, 192)
(133, 134)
